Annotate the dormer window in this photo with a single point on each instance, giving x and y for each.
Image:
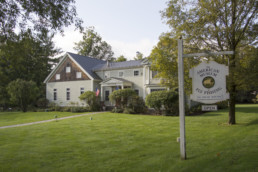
(57, 76)
(68, 69)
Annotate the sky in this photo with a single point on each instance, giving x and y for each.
(127, 25)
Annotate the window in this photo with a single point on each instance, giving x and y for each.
(154, 73)
(121, 74)
(68, 94)
(137, 92)
(160, 89)
(57, 76)
(107, 95)
(82, 90)
(68, 69)
(55, 94)
(136, 73)
(78, 75)
(107, 74)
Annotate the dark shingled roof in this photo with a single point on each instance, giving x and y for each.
(87, 63)
(118, 65)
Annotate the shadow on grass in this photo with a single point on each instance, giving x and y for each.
(247, 109)
(254, 122)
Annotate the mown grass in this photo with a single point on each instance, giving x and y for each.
(12, 118)
(120, 142)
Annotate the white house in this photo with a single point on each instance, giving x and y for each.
(76, 74)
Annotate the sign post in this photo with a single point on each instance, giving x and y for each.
(181, 99)
(181, 57)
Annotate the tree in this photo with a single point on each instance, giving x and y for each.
(93, 46)
(216, 25)
(91, 99)
(121, 59)
(22, 93)
(122, 96)
(26, 56)
(41, 15)
(139, 56)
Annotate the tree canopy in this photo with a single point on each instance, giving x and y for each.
(121, 59)
(217, 25)
(92, 45)
(38, 15)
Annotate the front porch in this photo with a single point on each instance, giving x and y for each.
(111, 84)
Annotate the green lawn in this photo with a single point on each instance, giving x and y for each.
(120, 142)
(12, 118)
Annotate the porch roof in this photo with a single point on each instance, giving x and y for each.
(116, 82)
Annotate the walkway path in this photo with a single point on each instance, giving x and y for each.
(50, 120)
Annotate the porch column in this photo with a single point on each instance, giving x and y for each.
(122, 86)
(101, 93)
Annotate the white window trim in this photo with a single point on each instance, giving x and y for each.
(58, 76)
(68, 69)
(82, 90)
(80, 75)
(122, 72)
(138, 72)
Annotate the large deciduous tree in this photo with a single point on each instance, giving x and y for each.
(26, 56)
(38, 15)
(92, 45)
(216, 25)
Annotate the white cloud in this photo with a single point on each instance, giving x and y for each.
(128, 49)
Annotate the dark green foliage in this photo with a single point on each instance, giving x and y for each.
(93, 46)
(42, 102)
(121, 97)
(167, 99)
(41, 15)
(222, 104)
(22, 93)
(117, 110)
(91, 99)
(121, 59)
(136, 105)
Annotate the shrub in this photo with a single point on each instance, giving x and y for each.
(92, 100)
(155, 100)
(222, 104)
(42, 102)
(137, 105)
(117, 110)
(167, 99)
(121, 97)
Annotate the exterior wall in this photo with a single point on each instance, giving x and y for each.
(61, 87)
(71, 76)
(129, 76)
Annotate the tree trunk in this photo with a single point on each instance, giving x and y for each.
(232, 91)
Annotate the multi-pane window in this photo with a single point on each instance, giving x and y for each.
(78, 75)
(136, 73)
(107, 95)
(68, 94)
(121, 74)
(57, 76)
(158, 89)
(55, 94)
(68, 69)
(81, 90)
(137, 92)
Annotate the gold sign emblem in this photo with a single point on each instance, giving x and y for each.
(208, 82)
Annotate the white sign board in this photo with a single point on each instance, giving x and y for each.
(209, 107)
(209, 82)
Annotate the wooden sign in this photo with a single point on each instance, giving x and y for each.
(209, 82)
(209, 108)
